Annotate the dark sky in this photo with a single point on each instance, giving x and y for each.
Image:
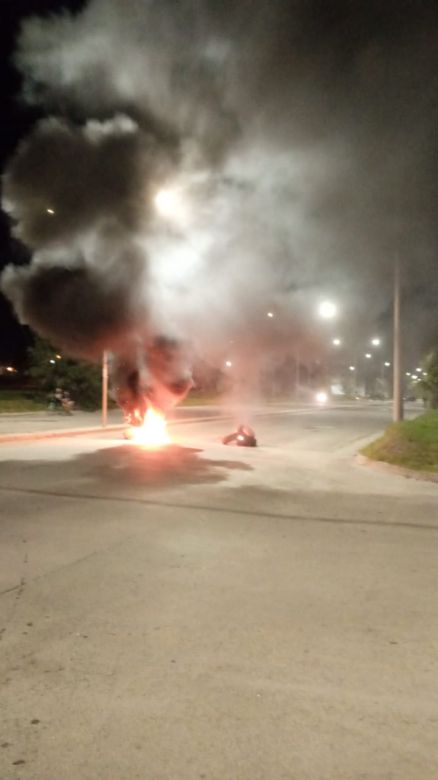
(17, 119)
(320, 116)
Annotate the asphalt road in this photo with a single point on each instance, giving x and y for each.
(217, 612)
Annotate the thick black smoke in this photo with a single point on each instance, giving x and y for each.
(297, 139)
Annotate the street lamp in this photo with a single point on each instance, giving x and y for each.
(228, 363)
(270, 314)
(387, 363)
(352, 368)
(336, 342)
(368, 355)
(375, 342)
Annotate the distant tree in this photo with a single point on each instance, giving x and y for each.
(429, 383)
(50, 369)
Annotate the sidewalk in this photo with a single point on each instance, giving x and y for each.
(31, 425)
(35, 422)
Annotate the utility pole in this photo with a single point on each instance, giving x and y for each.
(104, 388)
(297, 372)
(397, 409)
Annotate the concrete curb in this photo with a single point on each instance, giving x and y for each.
(391, 468)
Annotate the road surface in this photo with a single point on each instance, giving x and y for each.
(217, 612)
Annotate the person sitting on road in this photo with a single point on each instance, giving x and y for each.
(243, 437)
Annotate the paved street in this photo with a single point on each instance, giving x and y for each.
(215, 612)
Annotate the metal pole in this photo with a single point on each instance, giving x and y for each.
(297, 372)
(104, 388)
(397, 409)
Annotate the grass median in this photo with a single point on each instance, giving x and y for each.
(15, 401)
(412, 444)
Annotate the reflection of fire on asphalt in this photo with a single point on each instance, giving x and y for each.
(152, 432)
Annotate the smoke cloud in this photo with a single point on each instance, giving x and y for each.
(295, 142)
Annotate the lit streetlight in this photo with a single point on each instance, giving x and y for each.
(352, 368)
(336, 342)
(50, 211)
(228, 363)
(375, 342)
(368, 355)
(270, 314)
(387, 363)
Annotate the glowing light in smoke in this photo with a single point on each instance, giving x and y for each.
(327, 310)
(321, 397)
(368, 355)
(153, 432)
(375, 342)
(228, 363)
(352, 368)
(336, 342)
(50, 211)
(168, 203)
(270, 314)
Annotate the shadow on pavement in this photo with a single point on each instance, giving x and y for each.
(169, 465)
(121, 465)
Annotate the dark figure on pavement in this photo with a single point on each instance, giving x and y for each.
(67, 403)
(60, 401)
(243, 437)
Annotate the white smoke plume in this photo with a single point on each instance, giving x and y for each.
(292, 157)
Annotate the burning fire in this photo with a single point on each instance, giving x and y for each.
(152, 433)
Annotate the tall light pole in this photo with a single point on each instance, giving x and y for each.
(104, 388)
(327, 310)
(297, 371)
(397, 408)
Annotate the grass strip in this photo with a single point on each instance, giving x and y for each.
(412, 444)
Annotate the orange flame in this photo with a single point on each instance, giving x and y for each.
(153, 432)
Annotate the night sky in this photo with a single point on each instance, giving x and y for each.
(347, 91)
(17, 119)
